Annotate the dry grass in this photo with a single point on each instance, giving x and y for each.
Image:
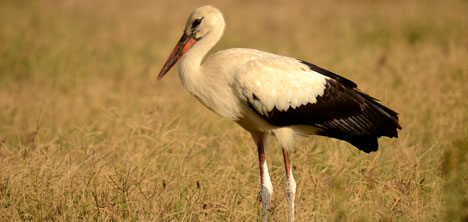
(86, 132)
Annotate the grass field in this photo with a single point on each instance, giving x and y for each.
(87, 133)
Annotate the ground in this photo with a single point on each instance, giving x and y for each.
(88, 133)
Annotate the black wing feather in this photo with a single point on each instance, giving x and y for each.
(332, 75)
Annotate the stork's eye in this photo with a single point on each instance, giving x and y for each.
(196, 22)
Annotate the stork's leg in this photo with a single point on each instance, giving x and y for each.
(290, 185)
(267, 187)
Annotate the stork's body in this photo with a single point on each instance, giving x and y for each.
(268, 94)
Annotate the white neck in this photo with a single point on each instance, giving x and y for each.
(190, 64)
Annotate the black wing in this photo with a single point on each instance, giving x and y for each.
(342, 112)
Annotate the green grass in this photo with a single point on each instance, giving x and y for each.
(87, 133)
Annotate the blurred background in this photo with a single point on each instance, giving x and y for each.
(87, 133)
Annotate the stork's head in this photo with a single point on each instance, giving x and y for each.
(205, 24)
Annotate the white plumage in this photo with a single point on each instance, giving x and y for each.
(279, 82)
(271, 94)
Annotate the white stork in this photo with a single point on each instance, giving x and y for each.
(269, 94)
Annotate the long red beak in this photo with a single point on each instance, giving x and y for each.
(184, 44)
